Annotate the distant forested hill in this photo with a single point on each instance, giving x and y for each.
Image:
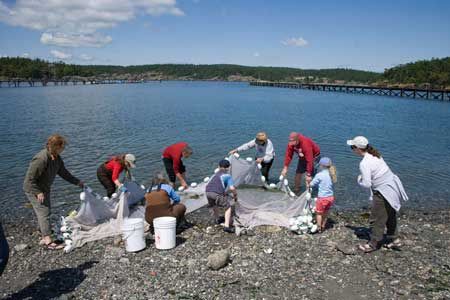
(16, 67)
(434, 72)
(427, 73)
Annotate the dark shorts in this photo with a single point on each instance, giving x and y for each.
(301, 166)
(168, 164)
(220, 200)
(105, 177)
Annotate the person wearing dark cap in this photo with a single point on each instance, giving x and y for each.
(217, 192)
(308, 153)
(264, 154)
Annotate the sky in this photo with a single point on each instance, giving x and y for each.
(365, 35)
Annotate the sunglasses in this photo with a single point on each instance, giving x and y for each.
(353, 147)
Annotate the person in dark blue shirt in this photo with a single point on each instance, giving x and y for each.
(217, 192)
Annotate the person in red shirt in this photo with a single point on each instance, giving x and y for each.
(108, 172)
(174, 165)
(308, 152)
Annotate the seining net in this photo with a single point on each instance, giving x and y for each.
(258, 204)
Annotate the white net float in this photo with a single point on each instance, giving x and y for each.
(308, 196)
(82, 196)
(114, 195)
(272, 185)
(206, 179)
(249, 159)
(263, 179)
(236, 155)
(193, 184)
(181, 188)
(286, 182)
(259, 166)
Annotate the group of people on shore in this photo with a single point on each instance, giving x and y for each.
(162, 200)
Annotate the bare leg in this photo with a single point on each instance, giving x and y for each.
(319, 221)
(215, 212)
(298, 182)
(324, 221)
(228, 217)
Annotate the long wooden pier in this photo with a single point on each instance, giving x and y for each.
(31, 83)
(428, 94)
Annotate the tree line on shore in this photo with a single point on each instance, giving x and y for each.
(432, 73)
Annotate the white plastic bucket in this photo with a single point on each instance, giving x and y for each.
(165, 232)
(133, 234)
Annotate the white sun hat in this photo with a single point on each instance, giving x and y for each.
(359, 142)
(131, 159)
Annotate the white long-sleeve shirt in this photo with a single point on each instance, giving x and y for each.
(376, 175)
(265, 151)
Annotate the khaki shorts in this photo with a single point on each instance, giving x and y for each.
(220, 200)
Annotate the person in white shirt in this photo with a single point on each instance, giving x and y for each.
(386, 191)
(264, 152)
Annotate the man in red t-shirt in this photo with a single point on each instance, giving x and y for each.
(174, 165)
(307, 152)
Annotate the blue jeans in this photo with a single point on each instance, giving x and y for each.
(4, 250)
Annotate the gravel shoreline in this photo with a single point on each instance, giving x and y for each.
(269, 263)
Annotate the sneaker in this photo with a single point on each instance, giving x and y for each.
(229, 229)
(220, 220)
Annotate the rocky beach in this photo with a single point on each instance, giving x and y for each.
(267, 263)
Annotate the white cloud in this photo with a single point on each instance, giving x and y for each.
(296, 42)
(26, 55)
(86, 57)
(61, 55)
(256, 54)
(76, 23)
(75, 40)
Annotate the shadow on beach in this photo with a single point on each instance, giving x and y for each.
(55, 283)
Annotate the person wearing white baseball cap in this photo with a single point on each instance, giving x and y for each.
(386, 191)
(108, 172)
(359, 142)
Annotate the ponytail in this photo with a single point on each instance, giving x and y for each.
(373, 151)
(332, 170)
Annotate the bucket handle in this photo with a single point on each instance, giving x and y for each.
(124, 238)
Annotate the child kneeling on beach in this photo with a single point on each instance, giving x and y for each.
(324, 179)
(217, 192)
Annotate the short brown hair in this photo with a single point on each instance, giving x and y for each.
(55, 141)
(187, 150)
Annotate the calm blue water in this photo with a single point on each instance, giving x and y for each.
(214, 118)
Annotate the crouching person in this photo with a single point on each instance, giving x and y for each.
(163, 201)
(217, 192)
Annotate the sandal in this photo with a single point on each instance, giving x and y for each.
(55, 245)
(367, 248)
(393, 244)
